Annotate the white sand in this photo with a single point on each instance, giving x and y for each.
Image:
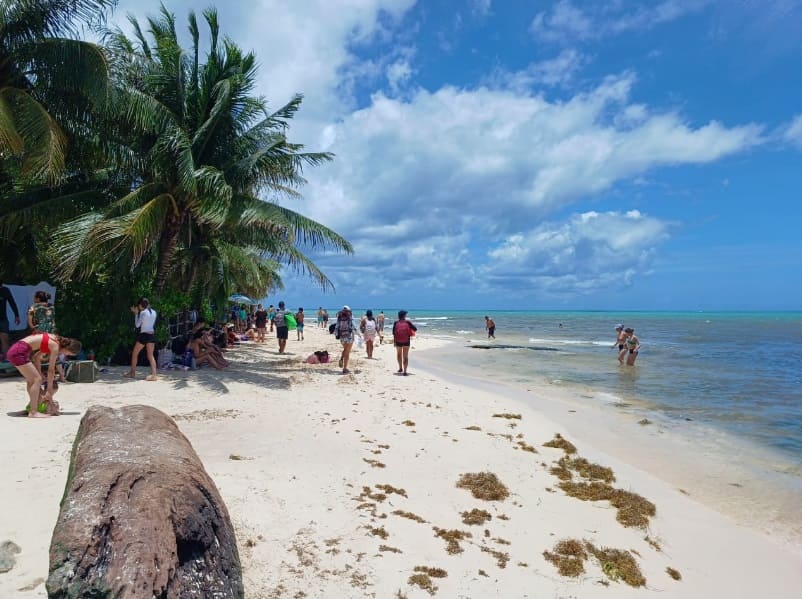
(303, 437)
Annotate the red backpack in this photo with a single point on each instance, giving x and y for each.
(401, 331)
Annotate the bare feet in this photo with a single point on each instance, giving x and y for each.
(130, 375)
(35, 414)
(151, 377)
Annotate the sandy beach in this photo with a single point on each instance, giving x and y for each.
(347, 485)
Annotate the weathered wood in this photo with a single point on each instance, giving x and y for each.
(140, 517)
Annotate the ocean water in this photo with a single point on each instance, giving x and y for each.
(740, 373)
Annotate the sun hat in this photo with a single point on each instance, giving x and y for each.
(346, 308)
(619, 326)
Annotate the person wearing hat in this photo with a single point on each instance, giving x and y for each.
(344, 331)
(282, 330)
(403, 331)
(620, 341)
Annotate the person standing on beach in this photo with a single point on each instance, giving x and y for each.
(320, 317)
(490, 325)
(260, 318)
(271, 312)
(42, 314)
(344, 331)
(403, 331)
(380, 326)
(299, 324)
(325, 318)
(282, 330)
(145, 322)
(5, 327)
(368, 329)
(632, 346)
(620, 341)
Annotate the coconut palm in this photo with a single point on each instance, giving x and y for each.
(201, 150)
(45, 77)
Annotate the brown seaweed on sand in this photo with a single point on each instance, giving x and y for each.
(484, 485)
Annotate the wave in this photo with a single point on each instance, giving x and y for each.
(430, 318)
(570, 341)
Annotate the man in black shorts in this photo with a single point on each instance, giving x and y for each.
(5, 326)
(282, 331)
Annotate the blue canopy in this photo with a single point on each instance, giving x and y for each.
(241, 299)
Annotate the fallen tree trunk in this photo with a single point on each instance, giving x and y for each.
(140, 517)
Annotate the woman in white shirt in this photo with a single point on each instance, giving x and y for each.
(146, 337)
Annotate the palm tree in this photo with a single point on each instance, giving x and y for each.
(45, 78)
(201, 150)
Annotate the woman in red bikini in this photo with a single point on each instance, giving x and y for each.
(49, 346)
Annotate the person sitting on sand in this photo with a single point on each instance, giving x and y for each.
(318, 357)
(632, 346)
(620, 341)
(202, 354)
(49, 345)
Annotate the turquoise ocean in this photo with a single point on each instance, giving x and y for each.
(740, 373)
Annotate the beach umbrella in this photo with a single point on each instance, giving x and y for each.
(241, 299)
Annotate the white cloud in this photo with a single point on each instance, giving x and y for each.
(557, 71)
(421, 184)
(793, 133)
(481, 8)
(588, 251)
(567, 22)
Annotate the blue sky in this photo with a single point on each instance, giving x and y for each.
(570, 154)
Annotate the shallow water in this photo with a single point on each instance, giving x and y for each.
(740, 373)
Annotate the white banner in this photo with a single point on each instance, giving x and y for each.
(22, 296)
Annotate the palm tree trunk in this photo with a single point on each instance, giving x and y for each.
(167, 247)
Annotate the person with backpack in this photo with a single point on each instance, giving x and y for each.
(282, 330)
(344, 331)
(368, 328)
(403, 331)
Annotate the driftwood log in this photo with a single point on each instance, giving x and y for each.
(140, 517)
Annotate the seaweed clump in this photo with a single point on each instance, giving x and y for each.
(508, 416)
(452, 538)
(484, 485)
(569, 556)
(433, 572)
(476, 517)
(424, 582)
(409, 515)
(618, 565)
(673, 573)
(633, 509)
(559, 442)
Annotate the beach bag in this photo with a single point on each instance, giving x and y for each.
(331, 329)
(165, 357)
(82, 371)
(370, 327)
(290, 320)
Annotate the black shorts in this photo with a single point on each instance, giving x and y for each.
(282, 332)
(620, 346)
(491, 332)
(145, 338)
(401, 343)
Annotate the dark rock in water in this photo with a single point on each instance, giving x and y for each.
(507, 346)
(140, 517)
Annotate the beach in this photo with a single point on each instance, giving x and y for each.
(342, 485)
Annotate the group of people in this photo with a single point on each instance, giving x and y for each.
(370, 328)
(628, 344)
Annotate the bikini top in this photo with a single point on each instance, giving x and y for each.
(44, 348)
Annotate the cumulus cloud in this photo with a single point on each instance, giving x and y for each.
(422, 184)
(587, 251)
(567, 22)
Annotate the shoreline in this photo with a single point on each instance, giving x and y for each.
(684, 453)
(292, 448)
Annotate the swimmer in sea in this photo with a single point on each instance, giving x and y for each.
(632, 346)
